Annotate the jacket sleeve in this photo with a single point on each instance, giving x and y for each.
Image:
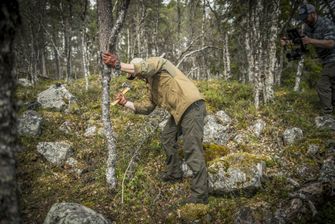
(144, 107)
(149, 67)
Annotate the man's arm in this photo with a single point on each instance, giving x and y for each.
(128, 68)
(318, 43)
(144, 107)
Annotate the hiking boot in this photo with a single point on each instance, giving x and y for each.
(193, 200)
(165, 177)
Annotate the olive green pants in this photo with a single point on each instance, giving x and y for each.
(326, 88)
(191, 127)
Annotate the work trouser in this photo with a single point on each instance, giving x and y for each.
(326, 88)
(191, 127)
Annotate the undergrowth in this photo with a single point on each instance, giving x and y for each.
(144, 198)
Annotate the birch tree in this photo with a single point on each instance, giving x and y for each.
(66, 16)
(83, 44)
(261, 39)
(299, 74)
(107, 41)
(9, 20)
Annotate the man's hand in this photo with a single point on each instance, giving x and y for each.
(121, 99)
(110, 59)
(307, 40)
(284, 41)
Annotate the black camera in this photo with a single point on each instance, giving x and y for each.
(296, 46)
(294, 54)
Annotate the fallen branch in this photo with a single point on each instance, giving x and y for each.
(139, 146)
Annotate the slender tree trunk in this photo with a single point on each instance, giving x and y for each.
(44, 70)
(9, 21)
(178, 20)
(257, 49)
(33, 53)
(68, 50)
(300, 68)
(271, 53)
(250, 56)
(84, 63)
(265, 17)
(107, 41)
(128, 45)
(226, 57)
(105, 29)
(155, 40)
(57, 64)
(279, 68)
(66, 17)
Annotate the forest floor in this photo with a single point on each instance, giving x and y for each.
(143, 198)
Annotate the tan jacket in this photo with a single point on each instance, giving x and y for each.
(169, 88)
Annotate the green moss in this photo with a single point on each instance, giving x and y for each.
(243, 159)
(192, 212)
(213, 151)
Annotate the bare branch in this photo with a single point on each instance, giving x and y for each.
(188, 47)
(191, 53)
(118, 25)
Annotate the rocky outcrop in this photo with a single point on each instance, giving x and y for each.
(258, 127)
(325, 122)
(235, 174)
(29, 124)
(291, 135)
(55, 152)
(58, 98)
(302, 204)
(217, 128)
(73, 213)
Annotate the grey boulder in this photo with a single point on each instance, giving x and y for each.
(29, 124)
(55, 152)
(291, 135)
(72, 213)
(57, 97)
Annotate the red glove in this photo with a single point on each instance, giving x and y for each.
(110, 59)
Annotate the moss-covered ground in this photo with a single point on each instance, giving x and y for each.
(145, 198)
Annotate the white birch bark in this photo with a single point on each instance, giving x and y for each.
(258, 54)
(84, 62)
(226, 58)
(250, 57)
(224, 62)
(271, 56)
(229, 75)
(299, 74)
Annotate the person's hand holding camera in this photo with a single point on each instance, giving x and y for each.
(284, 41)
(307, 40)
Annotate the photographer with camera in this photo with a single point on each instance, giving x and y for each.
(320, 32)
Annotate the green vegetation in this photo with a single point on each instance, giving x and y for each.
(146, 199)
